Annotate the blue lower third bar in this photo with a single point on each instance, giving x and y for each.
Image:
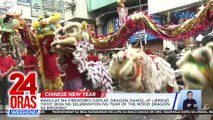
(23, 112)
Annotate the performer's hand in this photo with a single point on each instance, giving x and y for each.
(63, 75)
(188, 105)
(2, 75)
(15, 68)
(44, 47)
(195, 105)
(45, 51)
(22, 67)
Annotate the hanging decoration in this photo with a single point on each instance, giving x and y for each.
(141, 20)
(122, 11)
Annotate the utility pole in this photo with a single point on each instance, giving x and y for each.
(139, 1)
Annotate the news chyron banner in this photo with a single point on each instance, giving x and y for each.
(24, 100)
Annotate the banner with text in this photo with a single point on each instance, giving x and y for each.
(24, 100)
(68, 100)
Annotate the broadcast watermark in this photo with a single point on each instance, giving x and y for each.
(22, 95)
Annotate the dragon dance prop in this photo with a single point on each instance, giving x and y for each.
(139, 72)
(140, 20)
(45, 27)
(9, 24)
(27, 34)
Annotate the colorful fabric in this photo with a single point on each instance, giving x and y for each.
(30, 60)
(49, 61)
(71, 70)
(6, 63)
(148, 52)
(93, 58)
(97, 72)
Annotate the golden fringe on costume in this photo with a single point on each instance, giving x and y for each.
(48, 84)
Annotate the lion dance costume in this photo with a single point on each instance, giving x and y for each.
(197, 71)
(139, 72)
(45, 27)
(73, 39)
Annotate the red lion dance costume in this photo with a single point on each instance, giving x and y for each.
(45, 27)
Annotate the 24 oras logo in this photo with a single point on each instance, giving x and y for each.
(22, 95)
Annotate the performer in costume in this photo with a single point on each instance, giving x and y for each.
(73, 41)
(45, 28)
(66, 65)
(7, 65)
(30, 61)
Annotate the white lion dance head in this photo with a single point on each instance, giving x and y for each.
(74, 39)
(138, 72)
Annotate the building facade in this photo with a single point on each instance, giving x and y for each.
(32, 9)
(175, 12)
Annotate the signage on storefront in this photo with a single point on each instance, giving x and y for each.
(181, 16)
(185, 14)
(158, 6)
(24, 2)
